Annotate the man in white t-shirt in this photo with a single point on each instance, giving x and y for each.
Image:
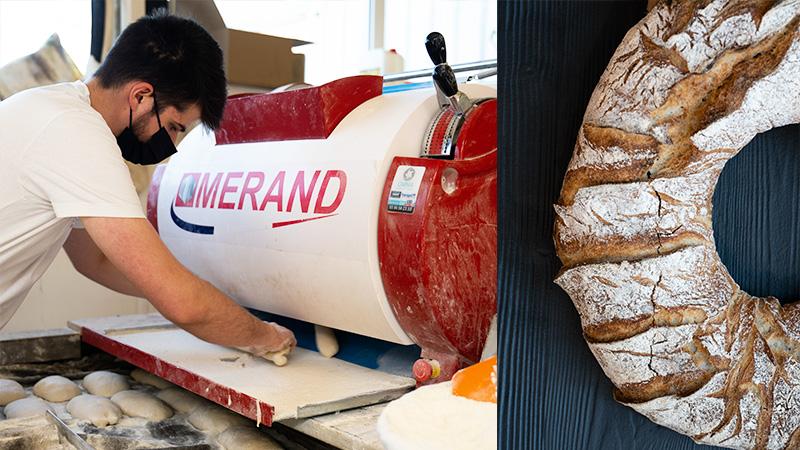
(63, 181)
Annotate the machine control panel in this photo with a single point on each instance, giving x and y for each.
(455, 107)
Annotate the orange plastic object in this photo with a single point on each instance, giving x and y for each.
(477, 382)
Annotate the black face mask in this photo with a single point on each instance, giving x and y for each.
(155, 150)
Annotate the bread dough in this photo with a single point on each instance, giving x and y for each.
(246, 438)
(327, 345)
(56, 388)
(279, 358)
(452, 422)
(26, 407)
(10, 390)
(215, 419)
(142, 404)
(148, 378)
(181, 400)
(98, 410)
(104, 383)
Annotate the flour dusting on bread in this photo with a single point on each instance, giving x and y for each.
(689, 86)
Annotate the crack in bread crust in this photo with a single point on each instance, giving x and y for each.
(686, 90)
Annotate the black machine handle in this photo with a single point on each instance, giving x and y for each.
(445, 79)
(434, 43)
(443, 74)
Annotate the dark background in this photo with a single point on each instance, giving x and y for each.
(553, 394)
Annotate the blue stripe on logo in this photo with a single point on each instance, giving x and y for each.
(190, 227)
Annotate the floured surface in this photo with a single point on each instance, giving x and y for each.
(309, 385)
(119, 324)
(31, 433)
(432, 418)
(354, 429)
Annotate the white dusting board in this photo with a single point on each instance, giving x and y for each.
(309, 385)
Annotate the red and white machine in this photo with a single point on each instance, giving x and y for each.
(337, 205)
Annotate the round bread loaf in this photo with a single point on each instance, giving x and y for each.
(689, 87)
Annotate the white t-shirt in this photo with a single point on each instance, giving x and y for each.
(58, 161)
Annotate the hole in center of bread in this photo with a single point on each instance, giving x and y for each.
(757, 215)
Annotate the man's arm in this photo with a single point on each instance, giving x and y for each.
(93, 264)
(195, 305)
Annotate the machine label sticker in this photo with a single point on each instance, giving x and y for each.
(405, 188)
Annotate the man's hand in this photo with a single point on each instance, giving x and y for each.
(195, 305)
(279, 342)
(283, 339)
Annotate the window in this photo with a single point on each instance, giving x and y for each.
(26, 24)
(469, 28)
(340, 30)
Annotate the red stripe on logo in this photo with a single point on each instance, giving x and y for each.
(292, 222)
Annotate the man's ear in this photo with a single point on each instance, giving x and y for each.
(137, 92)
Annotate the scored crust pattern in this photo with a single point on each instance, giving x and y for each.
(690, 86)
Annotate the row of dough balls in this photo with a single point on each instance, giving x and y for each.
(110, 396)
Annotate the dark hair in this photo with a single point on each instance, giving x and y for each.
(177, 56)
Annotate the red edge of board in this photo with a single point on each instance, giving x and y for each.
(217, 393)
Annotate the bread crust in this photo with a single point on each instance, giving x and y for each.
(686, 90)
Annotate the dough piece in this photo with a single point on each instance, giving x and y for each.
(246, 438)
(144, 377)
(142, 404)
(181, 400)
(105, 383)
(98, 410)
(458, 423)
(279, 358)
(10, 390)
(56, 388)
(26, 407)
(215, 419)
(327, 345)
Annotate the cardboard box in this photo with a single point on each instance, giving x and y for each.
(251, 59)
(260, 60)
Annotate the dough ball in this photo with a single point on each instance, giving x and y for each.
(246, 438)
(26, 407)
(142, 404)
(56, 388)
(104, 383)
(215, 419)
(327, 345)
(10, 390)
(181, 400)
(98, 410)
(144, 377)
